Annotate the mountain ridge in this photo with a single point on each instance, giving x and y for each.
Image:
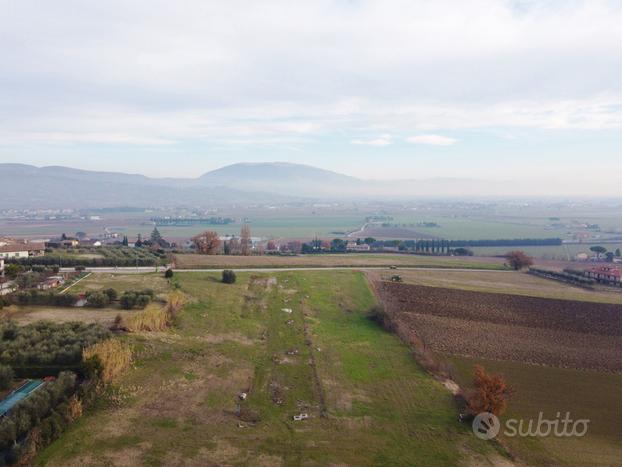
(266, 182)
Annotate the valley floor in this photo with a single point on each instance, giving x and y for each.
(368, 402)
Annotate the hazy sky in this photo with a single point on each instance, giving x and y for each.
(383, 89)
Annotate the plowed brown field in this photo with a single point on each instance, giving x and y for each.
(561, 333)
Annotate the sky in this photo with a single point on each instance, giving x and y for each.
(375, 89)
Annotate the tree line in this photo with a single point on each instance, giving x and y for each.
(46, 344)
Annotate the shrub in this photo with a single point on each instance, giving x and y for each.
(112, 294)
(12, 270)
(148, 292)
(142, 301)
(136, 299)
(128, 300)
(6, 377)
(168, 274)
(97, 300)
(28, 280)
(228, 276)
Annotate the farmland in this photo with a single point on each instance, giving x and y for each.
(29, 314)
(585, 394)
(457, 221)
(187, 261)
(562, 333)
(565, 252)
(368, 401)
(559, 355)
(507, 282)
(101, 281)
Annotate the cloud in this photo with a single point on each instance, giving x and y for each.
(434, 140)
(151, 72)
(382, 140)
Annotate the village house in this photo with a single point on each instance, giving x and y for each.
(20, 249)
(91, 242)
(353, 246)
(605, 274)
(51, 282)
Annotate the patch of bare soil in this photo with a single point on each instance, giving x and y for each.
(129, 456)
(218, 338)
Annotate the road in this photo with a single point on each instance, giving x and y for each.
(148, 269)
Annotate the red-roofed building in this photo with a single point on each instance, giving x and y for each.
(20, 249)
(605, 273)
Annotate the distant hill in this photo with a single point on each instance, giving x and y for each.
(311, 182)
(283, 178)
(26, 186)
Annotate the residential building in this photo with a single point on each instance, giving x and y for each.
(353, 246)
(605, 274)
(51, 282)
(20, 249)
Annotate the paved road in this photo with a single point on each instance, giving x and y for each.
(147, 269)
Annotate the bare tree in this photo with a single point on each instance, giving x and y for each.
(207, 243)
(234, 246)
(245, 240)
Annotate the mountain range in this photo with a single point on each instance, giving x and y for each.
(26, 186)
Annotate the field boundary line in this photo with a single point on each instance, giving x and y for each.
(70, 286)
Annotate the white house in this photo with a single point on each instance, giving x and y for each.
(353, 246)
(20, 249)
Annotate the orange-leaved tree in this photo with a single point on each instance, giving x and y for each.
(207, 243)
(490, 394)
(518, 260)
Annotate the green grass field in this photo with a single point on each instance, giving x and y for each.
(585, 394)
(464, 228)
(178, 404)
(192, 261)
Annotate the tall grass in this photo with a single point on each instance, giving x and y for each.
(152, 318)
(175, 302)
(114, 356)
(156, 317)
